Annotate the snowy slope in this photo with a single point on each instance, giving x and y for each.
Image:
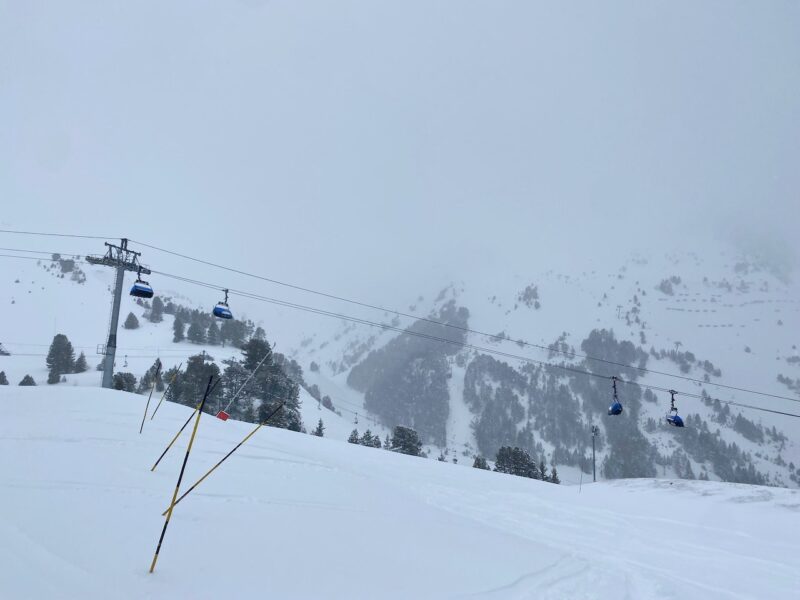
(744, 319)
(294, 516)
(40, 303)
(729, 308)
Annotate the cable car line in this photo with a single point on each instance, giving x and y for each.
(387, 327)
(465, 329)
(563, 367)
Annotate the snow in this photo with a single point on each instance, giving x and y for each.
(569, 302)
(295, 516)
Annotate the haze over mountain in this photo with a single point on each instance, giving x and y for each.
(370, 148)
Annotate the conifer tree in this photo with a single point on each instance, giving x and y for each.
(61, 355)
(80, 364)
(60, 358)
(190, 386)
(27, 380)
(387, 443)
(354, 439)
(195, 334)
(157, 311)
(373, 441)
(131, 322)
(406, 441)
(3, 378)
(554, 476)
(177, 330)
(124, 381)
(320, 430)
(480, 463)
(254, 352)
(212, 334)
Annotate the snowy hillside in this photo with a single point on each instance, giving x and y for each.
(720, 317)
(295, 516)
(40, 303)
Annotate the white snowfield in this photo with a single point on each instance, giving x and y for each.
(295, 516)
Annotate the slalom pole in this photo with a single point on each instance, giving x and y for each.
(180, 476)
(164, 395)
(152, 389)
(224, 458)
(180, 431)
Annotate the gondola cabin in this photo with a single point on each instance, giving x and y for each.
(615, 409)
(141, 289)
(221, 311)
(675, 420)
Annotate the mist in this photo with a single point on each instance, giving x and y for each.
(377, 149)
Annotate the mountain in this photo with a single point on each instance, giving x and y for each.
(721, 316)
(295, 516)
(718, 316)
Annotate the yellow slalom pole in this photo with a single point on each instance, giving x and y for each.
(164, 395)
(177, 435)
(180, 477)
(180, 431)
(152, 389)
(223, 459)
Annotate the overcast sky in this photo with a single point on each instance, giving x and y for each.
(364, 147)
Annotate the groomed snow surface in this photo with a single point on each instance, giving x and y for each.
(295, 516)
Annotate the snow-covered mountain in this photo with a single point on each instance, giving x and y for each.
(295, 516)
(717, 316)
(721, 315)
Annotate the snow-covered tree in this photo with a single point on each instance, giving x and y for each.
(27, 380)
(177, 330)
(131, 322)
(80, 364)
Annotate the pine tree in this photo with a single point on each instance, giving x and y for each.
(177, 330)
(554, 475)
(212, 334)
(157, 311)
(406, 441)
(60, 358)
(3, 378)
(80, 364)
(387, 443)
(190, 386)
(124, 381)
(195, 334)
(320, 430)
(254, 352)
(373, 441)
(27, 380)
(61, 355)
(516, 461)
(354, 439)
(480, 463)
(131, 322)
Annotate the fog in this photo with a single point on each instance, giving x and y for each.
(374, 148)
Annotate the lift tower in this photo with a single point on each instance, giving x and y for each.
(122, 259)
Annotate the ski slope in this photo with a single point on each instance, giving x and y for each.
(295, 516)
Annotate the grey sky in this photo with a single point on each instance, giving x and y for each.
(363, 147)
